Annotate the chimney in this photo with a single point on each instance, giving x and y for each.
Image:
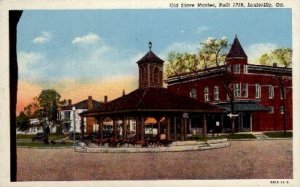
(90, 103)
(274, 64)
(69, 102)
(123, 92)
(105, 99)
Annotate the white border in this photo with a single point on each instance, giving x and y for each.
(6, 5)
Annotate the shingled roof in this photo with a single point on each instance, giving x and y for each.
(236, 50)
(155, 99)
(150, 57)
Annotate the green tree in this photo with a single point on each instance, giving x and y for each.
(47, 104)
(213, 51)
(22, 121)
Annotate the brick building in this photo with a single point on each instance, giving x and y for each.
(262, 94)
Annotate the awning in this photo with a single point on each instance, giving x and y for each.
(244, 106)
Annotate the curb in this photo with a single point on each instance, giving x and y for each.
(60, 147)
(179, 148)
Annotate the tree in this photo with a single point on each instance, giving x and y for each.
(282, 57)
(22, 121)
(47, 104)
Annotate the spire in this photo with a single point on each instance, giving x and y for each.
(150, 45)
(236, 50)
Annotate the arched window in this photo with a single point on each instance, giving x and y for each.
(193, 93)
(216, 92)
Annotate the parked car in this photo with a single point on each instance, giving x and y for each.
(38, 136)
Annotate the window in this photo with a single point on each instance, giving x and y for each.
(245, 90)
(257, 90)
(281, 110)
(216, 92)
(206, 94)
(271, 109)
(245, 69)
(193, 93)
(237, 89)
(228, 68)
(271, 92)
(237, 69)
(282, 95)
(95, 127)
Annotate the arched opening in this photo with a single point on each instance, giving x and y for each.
(156, 75)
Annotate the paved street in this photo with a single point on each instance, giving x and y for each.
(268, 159)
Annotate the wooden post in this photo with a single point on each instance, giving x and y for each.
(115, 127)
(124, 128)
(168, 128)
(101, 128)
(204, 125)
(175, 128)
(182, 128)
(137, 121)
(185, 128)
(158, 126)
(142, 132)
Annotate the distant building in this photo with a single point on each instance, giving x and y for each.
(257, 94)
(66, 115)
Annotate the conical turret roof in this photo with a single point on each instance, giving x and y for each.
(236, 50)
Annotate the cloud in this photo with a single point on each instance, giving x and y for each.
(26, 63)
(90, 38)
(254, 51)
(202, 29)
(43, 38)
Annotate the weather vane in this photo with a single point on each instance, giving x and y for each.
(150, 45)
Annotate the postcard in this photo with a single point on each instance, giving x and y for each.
(130, 93)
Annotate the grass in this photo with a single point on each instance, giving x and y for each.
(279, 134)
(201, 138)
(239, 136)
(51, 136)
(41, 144)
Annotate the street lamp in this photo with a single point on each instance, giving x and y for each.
(74, 122)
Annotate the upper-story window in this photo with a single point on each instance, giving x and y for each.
(245, 90)
(245, 69)
(206, 94)
(193, 93)
(237, 89)
(236, 68)
(282, 109)
(271, 92)
(257, 91)
(282, 94)
(216, 92)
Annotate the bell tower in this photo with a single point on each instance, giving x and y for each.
(150, 70)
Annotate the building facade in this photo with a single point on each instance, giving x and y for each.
(261, 95)
(69, 115)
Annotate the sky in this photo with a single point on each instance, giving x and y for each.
(83, 53)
